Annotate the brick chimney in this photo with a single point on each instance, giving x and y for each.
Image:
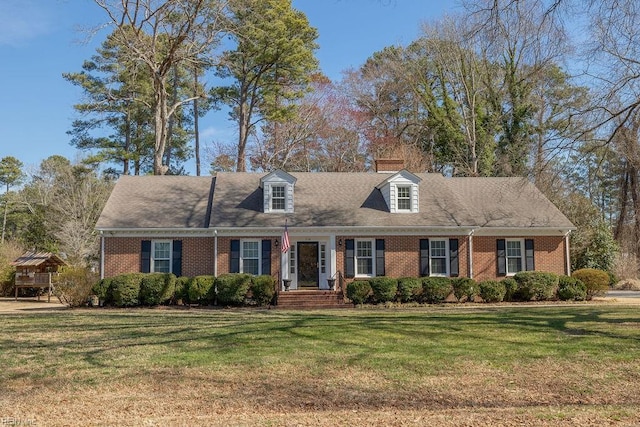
(389, 165)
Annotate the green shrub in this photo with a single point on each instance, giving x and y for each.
(570, 288)
(262, 289)
(102, 289)
(536, 285)
(464, 287)
(199, 291)
(596, 281)
(384, 289)
(182, 289)
(125, 289)
(510, 289)
(359, 291)
(157, 288)
(232, 288)
(435, 289)
(409, 289)
(492, 290)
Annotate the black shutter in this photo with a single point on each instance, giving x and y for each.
(234, 266)
(266, 257)
(349, 258)
(145, 256)
(379, 257)
(424, 257)
(528, 254)
(502, 257)
(176, 259)
(454, 264)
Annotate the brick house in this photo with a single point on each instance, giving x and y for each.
(339, 226)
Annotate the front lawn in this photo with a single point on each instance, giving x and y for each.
(576, 365)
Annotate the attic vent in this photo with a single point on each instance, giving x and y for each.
(389, 165)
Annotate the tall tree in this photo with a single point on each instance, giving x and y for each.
(271, 64)
(162, 35)
(10, 174)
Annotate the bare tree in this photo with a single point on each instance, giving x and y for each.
(164, 34)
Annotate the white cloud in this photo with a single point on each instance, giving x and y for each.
(22, 20)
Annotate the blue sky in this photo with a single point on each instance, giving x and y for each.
(41, 39)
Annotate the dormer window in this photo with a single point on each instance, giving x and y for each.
(400, 191)
(404, 198)
(277, 189)
(278, 198)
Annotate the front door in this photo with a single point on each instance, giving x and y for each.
(308, 265)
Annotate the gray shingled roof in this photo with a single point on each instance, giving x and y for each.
(157, 202)
(325, 199)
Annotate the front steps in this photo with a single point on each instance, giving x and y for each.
(310, 299)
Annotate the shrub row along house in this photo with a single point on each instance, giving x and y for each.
(336, 226)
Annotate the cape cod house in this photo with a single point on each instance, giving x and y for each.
(339, 226)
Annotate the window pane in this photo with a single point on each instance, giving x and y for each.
(161, 250)
(404, 198)
(439, 266)
(277, 198)
(365, 266)
(161, 266)
(249, 249)
(514, 265)
(250, 266)
(438, 248)
(513, 248)
(364, 248)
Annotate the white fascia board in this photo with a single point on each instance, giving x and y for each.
(347, 230)
(156, 232)
(521, 231)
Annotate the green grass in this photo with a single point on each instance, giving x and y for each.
(429, 358)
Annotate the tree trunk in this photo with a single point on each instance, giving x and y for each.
(4, 219)
(160, 125)
(196, 129)
(243, 136)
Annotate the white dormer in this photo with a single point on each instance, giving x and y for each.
(277, 190)
(400, 191)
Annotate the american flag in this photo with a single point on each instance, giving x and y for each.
(285, 239)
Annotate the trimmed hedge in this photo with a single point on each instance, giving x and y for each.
(464, 287)
(536, 285)
(359, 291)
(125, 289)
(200, 289)
(102, 290)
(571, 288)
(435, 289)
(232, 288)
(262, 289)
(510, 289)
(409, 289)
(157, 288)
(384, 289)
(596, 281)
(492, 290)
(182, 289)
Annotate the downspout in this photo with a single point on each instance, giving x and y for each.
(567, 253)
(215, 253)
(101, 255)
(470, 256)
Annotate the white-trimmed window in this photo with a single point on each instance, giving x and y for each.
(438, 250)
(161, 256)
(278, 198)
(292, 260)
(515, 256)
(403, 197)
(364, 258)
(250, 257)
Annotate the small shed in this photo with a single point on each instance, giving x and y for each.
(37, 270)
